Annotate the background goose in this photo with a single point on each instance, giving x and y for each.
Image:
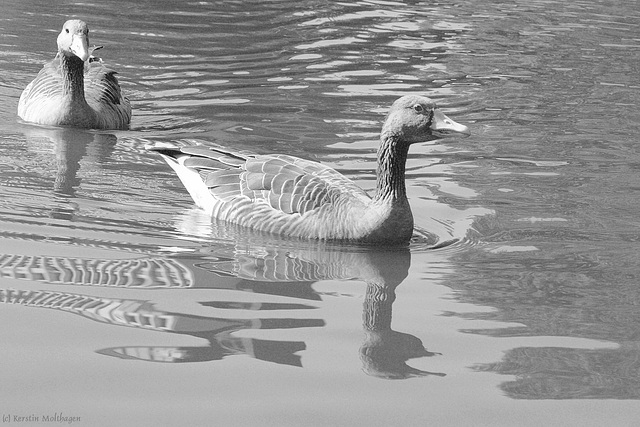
(286, 195)
(74, 91)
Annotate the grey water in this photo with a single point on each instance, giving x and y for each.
(122, 304)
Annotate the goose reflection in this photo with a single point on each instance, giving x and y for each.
(156, 273)
(385, 352)
(240, 262)
(144, 315)
(69, 147)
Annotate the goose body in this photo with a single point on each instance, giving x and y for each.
(290, 196)
(74, 89)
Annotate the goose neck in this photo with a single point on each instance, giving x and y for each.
(392, 158)
(73, 76)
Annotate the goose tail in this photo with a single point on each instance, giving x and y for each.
(190, 178)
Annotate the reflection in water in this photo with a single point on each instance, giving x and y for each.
(286, 269)
(384, 352)
(143, 314)
(550, 297)
(69, 147)
(566, 373)
(135, 273)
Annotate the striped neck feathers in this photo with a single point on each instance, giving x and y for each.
(392, 158)
(72, 77)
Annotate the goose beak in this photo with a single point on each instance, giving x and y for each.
(80, 46)
(443, 126)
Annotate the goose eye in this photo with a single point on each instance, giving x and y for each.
(66, 30)
(418, 108)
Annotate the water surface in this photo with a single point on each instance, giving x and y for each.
(124, 305)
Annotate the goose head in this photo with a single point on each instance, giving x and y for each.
(73, 40)
(415, 118)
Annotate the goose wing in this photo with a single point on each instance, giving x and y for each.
(45, 89)
(286, 184)
(103, 94)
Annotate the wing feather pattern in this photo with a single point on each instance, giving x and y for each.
(103, 94)
(44, 92)
(286, 184)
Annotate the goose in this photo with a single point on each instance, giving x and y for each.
(75, 89)
(289, 196)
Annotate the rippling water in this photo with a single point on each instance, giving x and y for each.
(124, 305)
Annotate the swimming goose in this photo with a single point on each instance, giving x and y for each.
(289, 196)
(74, 89)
